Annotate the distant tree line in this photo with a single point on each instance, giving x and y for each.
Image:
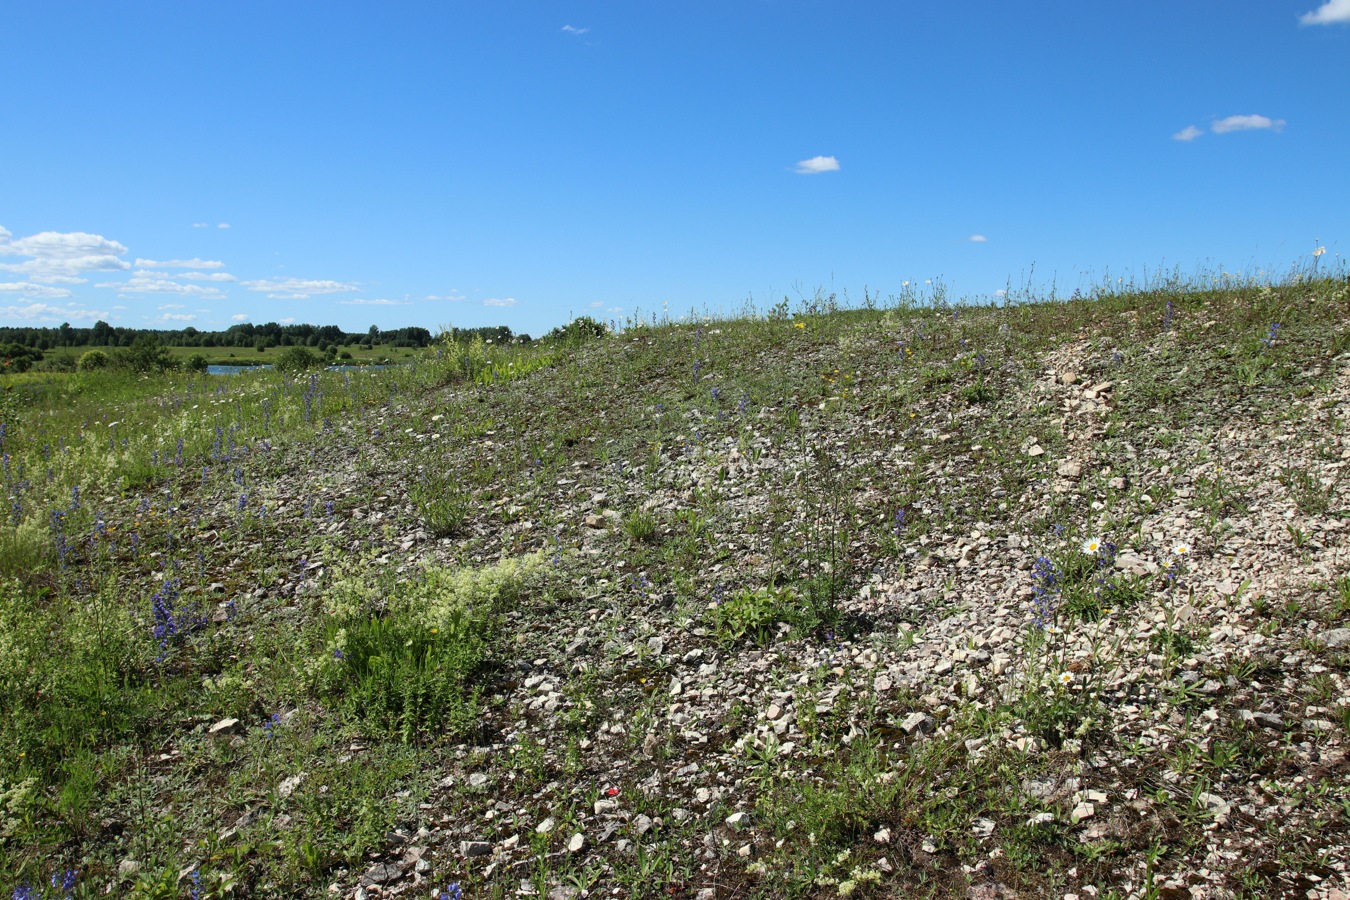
(146, 349)
(245, 334)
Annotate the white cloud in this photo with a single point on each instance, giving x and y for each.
(62, 245)
(239, 317)
(146, 282)
(193, 263)
(1189, 133)
(223, 225)
(362, 301)
(453, 297)
(817, 164)
(200, 225)
(170, 306)
(978, 239)
(596, 304)
(1246, 123)
(504, 302)
(1001, 292)
(573, 30)
(178, 317)
(289, 320)
(43, 313)
(205, 276)
(1330, 13)
(61, 256)
(298, 288)
(34, 291)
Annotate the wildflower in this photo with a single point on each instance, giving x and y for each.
(1092, 546)
(272, 722)
(1319, 251)
(64, 882)
(799, 325)
(1066, 678)
(1181, 549)
(452, 892)
(1045, 585)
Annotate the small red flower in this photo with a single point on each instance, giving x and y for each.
(613, 792)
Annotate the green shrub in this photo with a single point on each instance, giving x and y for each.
(147, 356)
(18, 358)
(297, 359)
(579, 330)
(93, 360)
(196, 363)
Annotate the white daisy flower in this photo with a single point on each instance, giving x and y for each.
(1066, 678)
(1092, 545)
(1181, 549)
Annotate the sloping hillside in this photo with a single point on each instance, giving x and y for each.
(1045, 600)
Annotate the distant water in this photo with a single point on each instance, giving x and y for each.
(235, 370)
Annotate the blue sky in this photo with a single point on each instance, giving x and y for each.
(521, 163)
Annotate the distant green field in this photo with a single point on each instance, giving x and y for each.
(251, 356)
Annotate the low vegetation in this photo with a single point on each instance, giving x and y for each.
(894, 599)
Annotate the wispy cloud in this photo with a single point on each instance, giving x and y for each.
(298, 288)
(193, 263)
(61, 256)
(1246, 123)
(43, 313)
(503, 302)
(223, 225)
(201, 225)
(453, 297)
(978, 239)
(362, 301)
(33, 291)
(1231, 124)
(171, 306)
(1332, 12)
(148, 282)
(572, 29)
(817, 164)
(239, 317)
(205, 276)
(178, 317)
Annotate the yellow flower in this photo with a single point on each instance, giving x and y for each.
(798, 324)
